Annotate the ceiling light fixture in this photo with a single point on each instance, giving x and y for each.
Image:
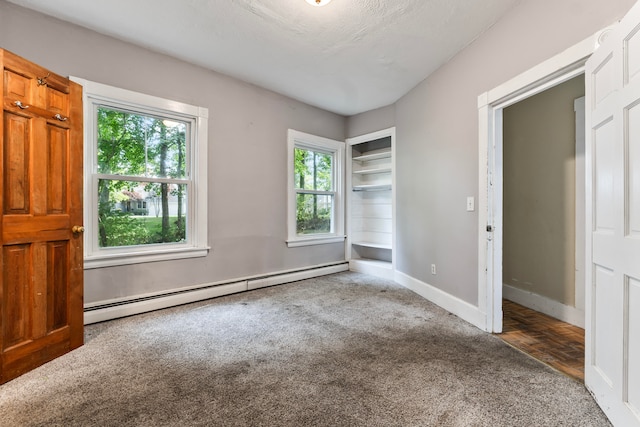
(318, 2)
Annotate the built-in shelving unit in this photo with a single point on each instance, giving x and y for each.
(376, 156)
(371, 187)
(371, 203)
(370, 171)
(372, 245)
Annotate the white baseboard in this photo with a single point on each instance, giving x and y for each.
(545, 305)
(460, 308)
(375, 268)
(294, 277)
(111, 312)
(121, 307)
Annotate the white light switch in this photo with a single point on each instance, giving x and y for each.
(471, 204)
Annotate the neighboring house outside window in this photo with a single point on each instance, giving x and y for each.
(145, 177)
(315, 199)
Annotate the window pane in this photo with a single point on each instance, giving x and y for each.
(313, 213)
(140, 145)
(138, 213)
(313, 170)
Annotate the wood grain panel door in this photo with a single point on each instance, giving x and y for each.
(41, 284)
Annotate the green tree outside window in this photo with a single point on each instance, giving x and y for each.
(313, 175)
(141, 160)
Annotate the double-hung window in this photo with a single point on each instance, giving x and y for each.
(145, 177)
(315, 206)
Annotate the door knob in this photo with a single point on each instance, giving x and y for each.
(77, 229)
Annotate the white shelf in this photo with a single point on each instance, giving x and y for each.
(370, 175)
(370, 171)
(372, 187)
(374, 267)
(375, 156)
(372, 245)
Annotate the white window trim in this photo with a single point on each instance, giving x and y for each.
(337, 149)
(197, 245)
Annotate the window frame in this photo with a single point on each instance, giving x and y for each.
(98, 94)
(305, 141)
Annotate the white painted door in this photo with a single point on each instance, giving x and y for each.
(612, 365)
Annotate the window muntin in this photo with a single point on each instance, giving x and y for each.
(145, 177)
(315, 186)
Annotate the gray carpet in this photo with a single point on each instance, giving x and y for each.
(342, 350)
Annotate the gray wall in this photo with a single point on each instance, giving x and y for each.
(371, 121)
(247, 152)
(437, 135)
(539, 147)
(436, 129)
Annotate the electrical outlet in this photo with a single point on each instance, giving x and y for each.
(471, 204)
(433, 269)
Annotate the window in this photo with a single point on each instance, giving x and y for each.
(145, 177)
(315, 205)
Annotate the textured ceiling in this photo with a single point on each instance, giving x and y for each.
(347, 57)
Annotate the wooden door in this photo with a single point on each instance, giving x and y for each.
(41, 284)
(612, 362)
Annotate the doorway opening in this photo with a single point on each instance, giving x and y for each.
(543, 198)
(543, 195)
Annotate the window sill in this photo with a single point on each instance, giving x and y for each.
(113, 260)
(293, 243)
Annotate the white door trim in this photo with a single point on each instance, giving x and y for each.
(558, 69)
(581, 207)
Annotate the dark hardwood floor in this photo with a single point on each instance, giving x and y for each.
(556, 343)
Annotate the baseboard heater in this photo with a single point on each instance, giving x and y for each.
(122, 307)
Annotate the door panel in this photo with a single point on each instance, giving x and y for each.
(604, 284)
(57, 257)
(633, 190)
(16, 164)
(15, 296)
(17, 87)
(57, 145)
(631, 52)
(604, 169)
(612, 365)
(604, 80)
(633, 358)
(57, 102)
(41, 291)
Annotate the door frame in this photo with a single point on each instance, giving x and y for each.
(579, 106)
(558, 69)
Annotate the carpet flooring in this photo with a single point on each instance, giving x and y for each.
(341, 350)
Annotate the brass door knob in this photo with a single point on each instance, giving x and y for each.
(77, 229)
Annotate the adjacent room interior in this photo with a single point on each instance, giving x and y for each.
(543, 203)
